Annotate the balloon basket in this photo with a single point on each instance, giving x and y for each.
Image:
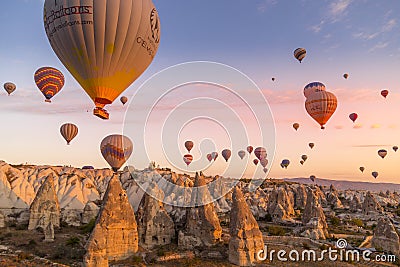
(47, 101)
(101, 113)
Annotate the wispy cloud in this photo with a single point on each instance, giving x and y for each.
(338, 8)
(379, 45)
(371, 145)
(265, 4)
(375, 126)
(357, 126)
(318, 27)
(389, 25)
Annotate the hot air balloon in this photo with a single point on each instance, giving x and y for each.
(189, 145)
(301, 162)
(10, 87)
(265, 170)
(105, 45)
(282, 166)
(384, 93)
(346, 76)
(311, 145)
(300, 54)
(49, 81)
(68, 131)
(273, 79)
(214, 155)
(353, 116)
(312, 178)
(304, 157)
(249, 149)
(241, 154)
(264, 162)
(226, 154)
(255, 161)
(382, 153)
(296, 126)
(188, 159)
(260, 153)
(321, 106)
(395, 148)
(375, 174)
(209, 157)
(116, 149)
(123, 100)
(362, 169)
(285, 163)
(313, 87)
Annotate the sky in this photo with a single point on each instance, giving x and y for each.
(257, 38)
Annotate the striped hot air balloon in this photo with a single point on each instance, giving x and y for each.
(188, 159)
(10, 87)
(300, 54)
(116, 149)
(313, 87)
(49, 81)
(68, 131)
(321, 106)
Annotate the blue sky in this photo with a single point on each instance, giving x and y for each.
(256, 37)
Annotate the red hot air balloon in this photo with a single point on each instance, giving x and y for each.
(49, 81)
(209, 157)
(226, 153)
(260, 152)
(189, 145)
(384, 93)
(296, 126)
(255, 161)
(353, 116)
(249, 149)
(188, 159)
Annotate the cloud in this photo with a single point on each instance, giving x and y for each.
(286, 96)
(357, 126)
(375, 126)
(366, 146)
(365, 36)
(338, 8)
(265, 4)
(318, 27)
(389, 25)
(338, 127)
(379, 45)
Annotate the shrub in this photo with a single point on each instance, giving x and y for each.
(88, 228)
(335, 221)
(358, 222)
(268, 218)
(73, 241)
(276, 230)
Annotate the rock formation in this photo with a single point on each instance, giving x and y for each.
(333, 198)
(279, 205)
(314, 218)
(115, 235)
(385, 237)
(300, 200)
(45, 208)
(89, 212)
(2, 220)
(370, 205)
(246, 238)
(355, 204)
(202, 223)
(49, 233)
(155, 226)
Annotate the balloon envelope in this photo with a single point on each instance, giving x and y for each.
(49, 81)
(313, 87)
(312, 178)
(255, 161)
(123, 100)
(321, 106)
(116, 149)
(345, 75)
(264, 162)
(241, 154)
(311, 145)
(304, 157)
(375, 174)
(382, 153)
(226, 154)
(188, 159)
(296, 126)
(189, 145)
(362, 169)
(384, 93)
(265, 170)
(105, 45)
(214, 155)
(300, 54)
(260, 153)
(353, 116)
(68, 131)
(301, 162)
(395, 148)
(10, 87)
(285, 163)
(249, 149)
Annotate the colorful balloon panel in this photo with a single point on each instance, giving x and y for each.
(69, 131)
(49, 81)
(313, 87)
(116, 149)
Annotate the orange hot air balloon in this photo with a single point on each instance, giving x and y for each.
(189, 145)
(116, 149)
(255, 161)
(10, 87)
(249, 149)
(49, 81)
(384, 93)
(69, 131)
(296, 126)
(105, 45)
(226, 154)
(188, 159)
(321, 106)
(353, 116)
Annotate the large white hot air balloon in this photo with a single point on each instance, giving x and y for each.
(105, 45)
